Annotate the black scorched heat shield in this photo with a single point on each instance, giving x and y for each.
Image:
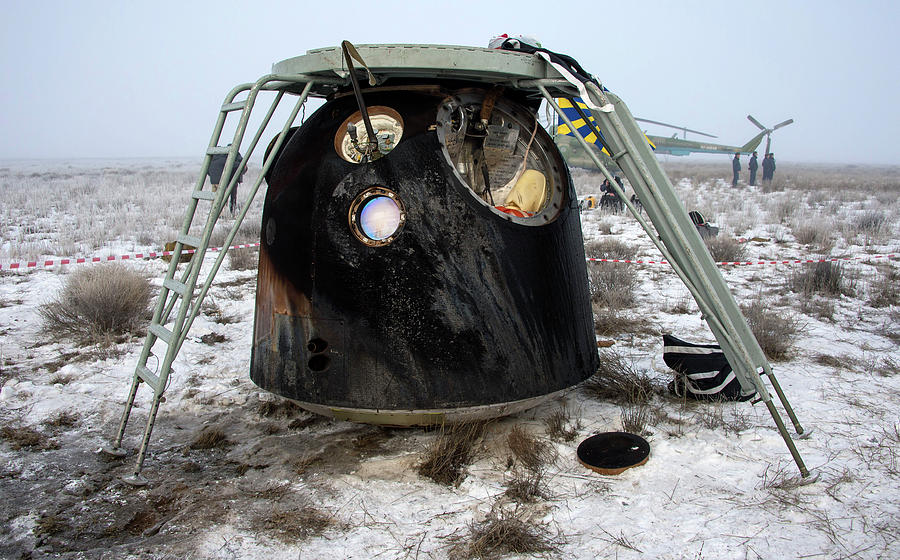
(435, 273)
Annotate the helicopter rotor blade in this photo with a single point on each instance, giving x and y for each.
(785, 123)
(676, 127)
(756, 122)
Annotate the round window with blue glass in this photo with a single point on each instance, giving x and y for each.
(376, 216)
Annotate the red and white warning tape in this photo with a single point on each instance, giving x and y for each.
(151, 255)
(745, 263)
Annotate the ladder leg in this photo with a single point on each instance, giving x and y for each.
(787, 438)
(116, 449)
(136, 479)
(787, 405)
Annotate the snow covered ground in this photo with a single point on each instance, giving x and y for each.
(719, 483)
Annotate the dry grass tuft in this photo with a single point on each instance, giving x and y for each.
(871, 224)
(216, 313)
(99, 302)
(210, 437)
(293, 525)
(885, 289)
(213, 338)
(635, 417)
(725, 249)
(62, 420)
(775, 334)
(612, 288)
(619, 381)
(26, 438)
(532, 452)
(445, 459)
(888, 367)
(50, 525)
(527, 486)
(503, 533)
(243, 259)
(609, 249)
(814, 234)
(826, 278)
(278, 408)
(831, 361)
(560, 426)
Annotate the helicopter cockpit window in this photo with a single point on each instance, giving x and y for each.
(495, 148)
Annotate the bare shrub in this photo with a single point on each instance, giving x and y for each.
(210, 437)
(813, 233)
(826, 278)
(774, 333)
(725, 249)
(681, 306)
(871, 224)
(503, 533)
(821, 307)
(560, 426)
(885, 289)
(533, 453)
(609, 249)
(619, 381)
(243, 259)
(98, 302)
(612, 290)
(635, 417)
(445, 459)
(712, 416)
(605, 227)
(784, 209)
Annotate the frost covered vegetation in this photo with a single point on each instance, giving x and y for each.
(239, 473)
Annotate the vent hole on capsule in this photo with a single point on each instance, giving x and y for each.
(319, 363)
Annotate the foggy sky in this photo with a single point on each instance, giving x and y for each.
(112, 79)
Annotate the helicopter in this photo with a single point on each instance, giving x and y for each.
(662, 145)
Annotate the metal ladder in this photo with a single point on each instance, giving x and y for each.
(178, 291)
(675, 236)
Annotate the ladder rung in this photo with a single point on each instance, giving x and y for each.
(204, 195)
(185, 239)
(218, 150)
(161, 332)
(236, 106)
(175, 286)
(148, 376)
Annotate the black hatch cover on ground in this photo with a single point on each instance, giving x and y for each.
(613, 452)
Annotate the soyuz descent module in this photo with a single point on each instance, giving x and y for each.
(421, 257)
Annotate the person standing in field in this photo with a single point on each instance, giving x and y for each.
(768, 168)
(217, 167)
(735, 168)
(753, 166)
(771, 166)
